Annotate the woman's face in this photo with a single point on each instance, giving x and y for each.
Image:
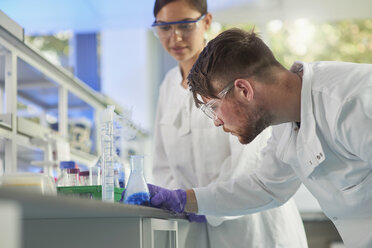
(183, 47)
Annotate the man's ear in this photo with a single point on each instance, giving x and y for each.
(244, 89)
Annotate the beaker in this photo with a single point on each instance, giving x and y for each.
(137, 192)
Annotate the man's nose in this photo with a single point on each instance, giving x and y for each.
(218, 122)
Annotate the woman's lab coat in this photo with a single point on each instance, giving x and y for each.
(191, 152)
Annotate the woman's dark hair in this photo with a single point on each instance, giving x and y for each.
(199, 5)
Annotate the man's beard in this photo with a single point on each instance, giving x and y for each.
(254, 121)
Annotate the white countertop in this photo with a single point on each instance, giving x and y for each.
(36, 206)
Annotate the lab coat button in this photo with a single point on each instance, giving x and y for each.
(310, 162)
(335, 218)
(321, 154)
(295, 129)
(318, 157)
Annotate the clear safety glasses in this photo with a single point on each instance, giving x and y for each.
(164, 30)
(210, 108)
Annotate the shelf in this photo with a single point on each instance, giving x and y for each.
(31, 129)
(43, 103)
(83, 157)
(6, 120)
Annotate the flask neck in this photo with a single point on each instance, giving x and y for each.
(138, 169)
(136, 164)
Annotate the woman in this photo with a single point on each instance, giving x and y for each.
(187, 153)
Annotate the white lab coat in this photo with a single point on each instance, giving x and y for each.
(191, 152)
(331, 154)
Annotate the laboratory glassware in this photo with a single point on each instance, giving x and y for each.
(62, 172)
(137, 192)
(95, 176)
(116, 178)
(84, 178)
(121, 176)
(119, 173)
(107, 158)
(72, 177)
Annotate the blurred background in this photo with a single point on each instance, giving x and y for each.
(110, 47)
(109, 44)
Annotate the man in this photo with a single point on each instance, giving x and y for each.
(321, 115)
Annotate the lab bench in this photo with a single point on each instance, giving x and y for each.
(63, 221)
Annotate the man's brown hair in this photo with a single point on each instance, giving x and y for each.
(232, 54)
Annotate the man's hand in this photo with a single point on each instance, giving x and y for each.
(173, 200)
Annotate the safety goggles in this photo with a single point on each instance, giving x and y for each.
(210, 108)
(163, 30)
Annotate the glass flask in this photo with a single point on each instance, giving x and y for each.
(137, 192)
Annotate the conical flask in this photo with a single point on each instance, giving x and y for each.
(137, 192)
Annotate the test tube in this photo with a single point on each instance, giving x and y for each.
(72, 177)
(84, 178)
(95, 176)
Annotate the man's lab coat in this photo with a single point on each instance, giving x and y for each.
(331, 154)
(191, 152)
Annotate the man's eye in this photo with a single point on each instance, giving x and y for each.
(214, 106)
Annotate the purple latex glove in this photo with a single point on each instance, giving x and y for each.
(196, 218)
(173, 200)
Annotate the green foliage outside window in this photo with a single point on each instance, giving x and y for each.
(302, 40)
(53, 47)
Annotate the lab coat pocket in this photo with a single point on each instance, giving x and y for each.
(365, 182)
(357, 198)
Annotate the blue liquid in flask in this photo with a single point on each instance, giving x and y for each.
(137, 192)
(140, 198)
